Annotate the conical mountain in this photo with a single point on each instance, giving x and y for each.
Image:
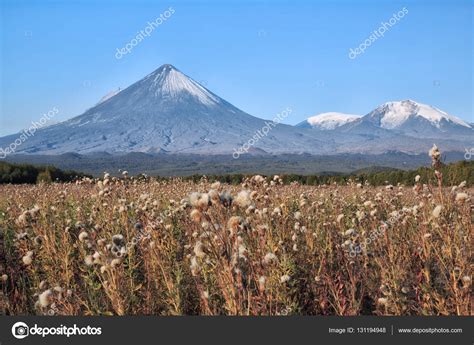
(166, 111)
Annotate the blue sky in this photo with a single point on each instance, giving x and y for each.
(262, 56)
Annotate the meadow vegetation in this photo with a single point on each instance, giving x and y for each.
(129, 246)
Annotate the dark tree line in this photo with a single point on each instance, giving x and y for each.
(25, 173)
(453, 174)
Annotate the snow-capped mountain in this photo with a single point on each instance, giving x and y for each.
(412, 119)
(327, 121)
(394, 115)
(166, 111)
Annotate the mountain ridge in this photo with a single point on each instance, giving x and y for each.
(169, 112)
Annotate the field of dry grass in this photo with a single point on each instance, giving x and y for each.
(128, 247)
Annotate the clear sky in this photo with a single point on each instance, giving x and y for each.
(261, 56)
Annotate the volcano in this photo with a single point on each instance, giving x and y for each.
(166, 111)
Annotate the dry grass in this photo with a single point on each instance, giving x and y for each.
(262, 249)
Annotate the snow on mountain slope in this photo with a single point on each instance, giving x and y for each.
(326, 121)
(413, 119)
(171, 83)
(167, 111)
(394, 114)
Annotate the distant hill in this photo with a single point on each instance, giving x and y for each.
(189, 164)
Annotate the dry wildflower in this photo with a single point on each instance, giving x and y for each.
(243, 199)
(28, 258)
(339, 218)
(349, 232)
(215, 185)
(361, 215)
(214, 196)
(461, 197)
(234, 223)
(251, 209)
(276, 211)
(434, 153)
(285, 278)
(194, 199)
(347, 243)
(196, 216)
(4, 277)
(437, 211)
(258, 179)
(44, 298)
(195, 268)
(261, 283)
(89, 260)
(115, 262)
(83, 236)
(270, 258)
(244, 253)
(417, 178)
(226, 199)
(199, 249)
(23, 219)
(204, 201)
(382, 301)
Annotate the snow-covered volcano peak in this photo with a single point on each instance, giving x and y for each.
(169, 82)
(393, 115)
(329, 120)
